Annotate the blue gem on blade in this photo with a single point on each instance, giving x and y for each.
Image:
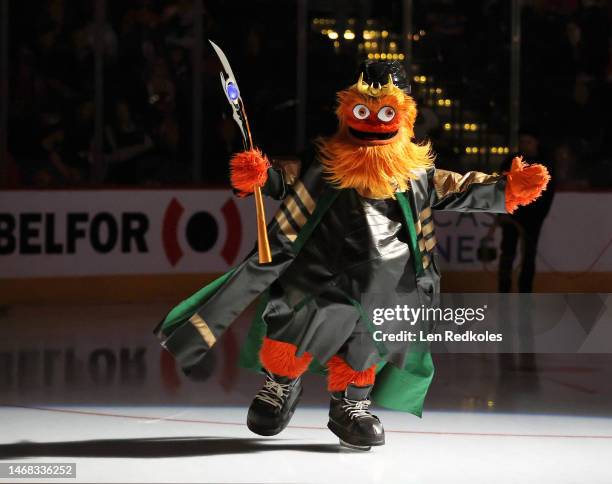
(232, 91)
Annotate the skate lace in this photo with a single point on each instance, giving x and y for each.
(357, 408)
(273, 393)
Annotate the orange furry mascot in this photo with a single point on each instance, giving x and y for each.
(358, 221)
(382, 163)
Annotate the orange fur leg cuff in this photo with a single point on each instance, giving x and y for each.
(248, 169)
(524, 183)
(279, 358)
(341, 375)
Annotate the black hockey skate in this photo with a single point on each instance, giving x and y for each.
(351, 420)
(273, 407)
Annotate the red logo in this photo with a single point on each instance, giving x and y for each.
(201, 231)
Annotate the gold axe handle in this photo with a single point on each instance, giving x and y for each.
(263, 245)
(230, 88)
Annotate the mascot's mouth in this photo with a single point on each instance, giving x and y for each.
(371, 135)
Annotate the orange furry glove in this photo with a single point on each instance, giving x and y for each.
(248, 169)
(524, 183)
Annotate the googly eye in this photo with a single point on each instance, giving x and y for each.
(386, 114)
(360, 111)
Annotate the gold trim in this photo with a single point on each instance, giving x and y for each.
(430, 244)
(304, 196)
(446, 182)
(428, 228)
(372, 90)
(426, 261)
(203, 329)
(417, 226)
(296, 212)
(421, 245)
(285, 226)
(425, 214)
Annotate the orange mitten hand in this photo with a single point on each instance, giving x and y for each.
(248, 169)
(524, 183)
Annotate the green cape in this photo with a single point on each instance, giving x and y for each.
(181, 330)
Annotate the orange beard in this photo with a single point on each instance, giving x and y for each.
(375, 171)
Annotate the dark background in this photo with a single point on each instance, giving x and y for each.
(461, 54)
(460, 72)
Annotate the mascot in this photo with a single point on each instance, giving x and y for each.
(359, 220)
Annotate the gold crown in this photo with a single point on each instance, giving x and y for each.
(374, 91)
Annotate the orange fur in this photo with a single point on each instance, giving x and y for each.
(248, 169)
(524, 183)
(279, 358)
(341, 375)
(404, 106)
(379, 170)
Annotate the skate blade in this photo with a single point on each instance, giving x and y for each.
(363, 448)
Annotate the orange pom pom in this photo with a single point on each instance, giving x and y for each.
(248, 169)
(524, 183)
